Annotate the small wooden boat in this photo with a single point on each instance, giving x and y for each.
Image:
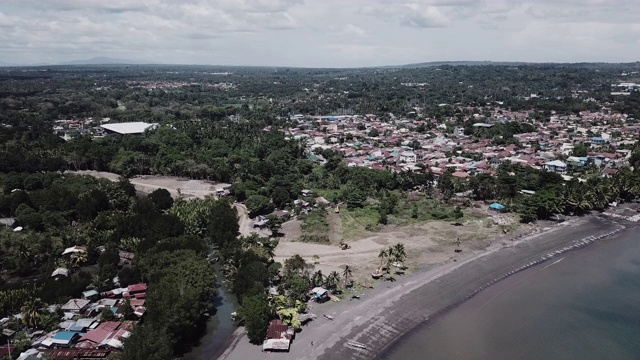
(328, 316)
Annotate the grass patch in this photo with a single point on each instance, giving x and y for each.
(421, 210)
(315, 227)
(357, 222)
(328, 194)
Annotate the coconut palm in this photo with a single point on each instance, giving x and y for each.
(346, 274)
(382, 255)
(399, 253)
(32, 312)
(78, 258)
(317, 278)
(332, 280)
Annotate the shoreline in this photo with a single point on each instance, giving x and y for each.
(387, 313)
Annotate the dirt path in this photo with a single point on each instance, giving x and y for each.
(246, 224)
(335, 227)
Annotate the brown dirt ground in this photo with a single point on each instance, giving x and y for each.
(431, 242)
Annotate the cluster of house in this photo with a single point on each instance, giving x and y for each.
(151, 85)
(398, 145)
(83, 334)
(79, 252)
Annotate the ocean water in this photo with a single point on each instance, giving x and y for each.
(584, 307)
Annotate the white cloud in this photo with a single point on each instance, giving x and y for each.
(319, 33)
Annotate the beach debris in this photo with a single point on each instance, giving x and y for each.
(357, 345)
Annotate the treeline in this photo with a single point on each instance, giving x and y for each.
(261, 94)
(553, 195)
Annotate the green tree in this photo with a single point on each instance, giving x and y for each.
(255, 312)
(297, 287)
(580, 150)
(107, 315)
(280, 196)
(223, 226)
(148, 342)
(259, 205)
(457, 213)
(347, 274)
(161, 198)
(274, 224)
(32, 313)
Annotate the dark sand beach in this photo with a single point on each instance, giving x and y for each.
(393, 309)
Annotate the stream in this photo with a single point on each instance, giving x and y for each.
(219, 326)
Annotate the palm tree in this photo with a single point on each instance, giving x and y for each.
(32, 312)
(332, 280)
(346, 273)
(78, 258)
(318, 278)
(399, 253)
(382, 255)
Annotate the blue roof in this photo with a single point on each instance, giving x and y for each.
(65, 335)
(497, 206)
(597, 138)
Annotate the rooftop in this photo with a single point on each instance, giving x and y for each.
(138, 127)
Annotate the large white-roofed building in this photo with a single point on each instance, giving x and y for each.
(128, 128)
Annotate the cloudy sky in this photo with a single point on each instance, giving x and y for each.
(312, 33)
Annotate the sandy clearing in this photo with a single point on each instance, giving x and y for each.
(426, 244)
(186, 188)
(181, 187)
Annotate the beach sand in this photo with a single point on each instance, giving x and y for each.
(389, 311)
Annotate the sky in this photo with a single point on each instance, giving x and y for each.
(319, 33)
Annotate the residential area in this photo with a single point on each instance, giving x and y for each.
(471, 144)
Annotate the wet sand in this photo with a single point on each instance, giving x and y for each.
(392, 309)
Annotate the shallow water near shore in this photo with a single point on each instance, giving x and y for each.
(582, 305)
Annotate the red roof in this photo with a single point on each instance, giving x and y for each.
(69, 354)
(109, 325)
(95, 336)
(277, 330)
(136, 302)
(460, 174)
(5, 349)
(137, 288)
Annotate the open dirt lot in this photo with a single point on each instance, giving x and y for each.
(186, 188)
(427, 243)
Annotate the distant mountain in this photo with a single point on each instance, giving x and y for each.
(101, 60)
(2, 63)
(456, 63)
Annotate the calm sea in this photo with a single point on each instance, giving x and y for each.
(584, 307)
